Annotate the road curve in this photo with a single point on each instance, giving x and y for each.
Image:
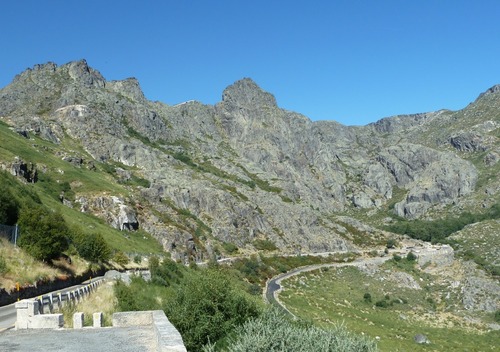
(273, 285)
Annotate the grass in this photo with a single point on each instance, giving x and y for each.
(338, 295)
(102, 300)
(22, 268)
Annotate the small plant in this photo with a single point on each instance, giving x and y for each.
(230, 248)
(396, 257)
(137, 259)
(264, 245)
(497, 316)
(367, 297)
(391, 243)
(411, 257)
(121, 258)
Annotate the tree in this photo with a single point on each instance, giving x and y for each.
(207, 306)
(44, 234)
(91, 246)
(9, 207)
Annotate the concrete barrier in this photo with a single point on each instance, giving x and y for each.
(29, 317)
(37, 313)
(168, 339)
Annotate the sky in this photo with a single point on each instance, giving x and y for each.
(349, 61)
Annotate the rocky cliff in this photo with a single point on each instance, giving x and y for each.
(245, 169)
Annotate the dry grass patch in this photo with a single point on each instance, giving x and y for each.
(20, 267)
(102, 300)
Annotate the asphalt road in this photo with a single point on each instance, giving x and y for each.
(8, 313)
(273, 286)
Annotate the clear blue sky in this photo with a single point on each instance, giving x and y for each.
(350, 61)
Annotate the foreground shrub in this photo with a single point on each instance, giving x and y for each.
(206, 306)
(273, 331)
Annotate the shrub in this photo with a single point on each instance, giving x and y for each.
(382, 303)
(9, 207)
(264, 245)
(391, 243)
(273, 332)
(396, 257)
(497, 316)
(230, 247)
(367, 297)
(206, 306)
(44, 234)
(91, 246)
(121, 258)
(411, 257)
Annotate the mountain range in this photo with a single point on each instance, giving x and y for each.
(244, 171)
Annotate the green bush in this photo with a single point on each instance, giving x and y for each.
(275, 332)
(166, 273)
(438, 230)
(411, 257)
(391, 243)
(208, 305)
(230, 247)
(497, 316)
(264, 245)
(43, 234)
(382, 303)
(367, 298)
(91, 246)
(121, 258)
(9, 206)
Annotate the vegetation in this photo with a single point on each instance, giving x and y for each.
(204, 305)
(275, 332)
(9, 206)
(438, 230)
(45, 234)
(103, 300)
(207, 306)
(330, 297)
(264, 245)
(91, 246)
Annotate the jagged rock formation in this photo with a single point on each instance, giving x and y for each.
(246, 169)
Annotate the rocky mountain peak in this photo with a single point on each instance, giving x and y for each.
(129, 88)
(81, 72)
(491, 90)
(245, 93)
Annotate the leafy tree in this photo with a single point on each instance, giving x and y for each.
(208, 305)
(44, 234)
(9, 207)
(91, 246)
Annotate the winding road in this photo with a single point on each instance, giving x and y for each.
(273, 286)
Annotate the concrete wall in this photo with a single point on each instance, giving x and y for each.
(168, 339)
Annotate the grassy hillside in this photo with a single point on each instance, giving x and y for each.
(393, 313)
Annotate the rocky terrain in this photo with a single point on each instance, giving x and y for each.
(245, 169)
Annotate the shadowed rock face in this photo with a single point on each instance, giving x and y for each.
(248, 169)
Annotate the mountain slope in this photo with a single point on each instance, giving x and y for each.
(195, 176)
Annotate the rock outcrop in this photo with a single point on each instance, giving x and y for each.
(245, 169)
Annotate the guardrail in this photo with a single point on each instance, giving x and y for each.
(46, 303)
